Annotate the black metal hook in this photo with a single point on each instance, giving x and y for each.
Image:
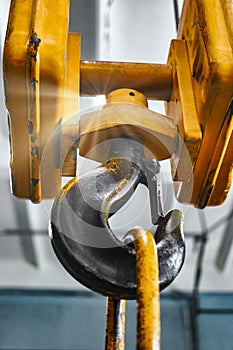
(84, 242)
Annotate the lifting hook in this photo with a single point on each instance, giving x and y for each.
(82, 237)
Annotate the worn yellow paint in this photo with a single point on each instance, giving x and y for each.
(116, 165)
(224, 170)
(197, 82)
(33, 105)
(115, 324)
(206, 27)
(182, 108)
(148, 315)
(48, 19)
(14, 68)
(147, 271)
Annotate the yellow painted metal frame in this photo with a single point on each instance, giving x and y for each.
(42, 69)
(101, 77)
(207, 26)
(182, 108)
(38, 94)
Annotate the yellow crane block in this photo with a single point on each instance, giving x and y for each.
(42, 70)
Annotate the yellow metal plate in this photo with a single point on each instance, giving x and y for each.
(34, 89)
(14, 68)
(206, 27)
(182, 108)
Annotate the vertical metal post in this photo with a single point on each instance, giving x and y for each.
(115, 324)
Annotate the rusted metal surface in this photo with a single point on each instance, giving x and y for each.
(33, 105)
(147, 271)
(99, 77)
(148, 300)
(115, 324)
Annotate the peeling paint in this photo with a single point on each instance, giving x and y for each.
(30, 127)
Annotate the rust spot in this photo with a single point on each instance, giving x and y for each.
(74, 153)
(34, 44)
(35, 181)
(33, 82)
(35, 151)
(30, 127)
(33, 139)
(35, 41)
